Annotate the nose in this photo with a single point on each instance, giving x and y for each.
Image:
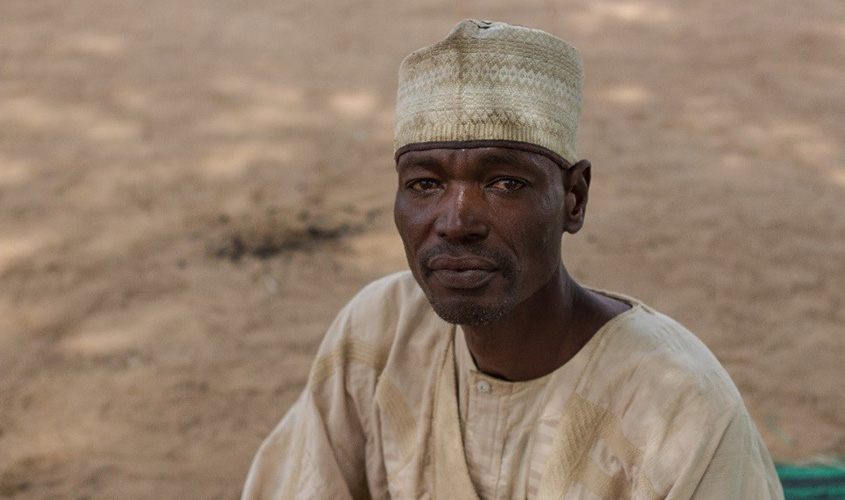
(462, 215)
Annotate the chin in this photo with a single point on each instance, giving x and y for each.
(471, 313)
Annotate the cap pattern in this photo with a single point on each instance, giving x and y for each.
(491, 81)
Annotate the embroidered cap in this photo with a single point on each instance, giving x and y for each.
(489, 81)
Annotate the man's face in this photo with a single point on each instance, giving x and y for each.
(481, 227)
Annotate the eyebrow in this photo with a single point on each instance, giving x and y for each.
(506, 157)
(502, 157)
(423, 162)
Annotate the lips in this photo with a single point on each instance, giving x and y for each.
(463, 272)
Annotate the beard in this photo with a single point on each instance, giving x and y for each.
(470, 313)
(472, 310)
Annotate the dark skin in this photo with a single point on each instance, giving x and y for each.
(482, 230)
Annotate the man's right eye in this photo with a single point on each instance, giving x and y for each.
(423, 185)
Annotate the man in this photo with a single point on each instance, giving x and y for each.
(487, 372)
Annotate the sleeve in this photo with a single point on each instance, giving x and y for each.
(741, 467)
(319, 449)
(729, 463)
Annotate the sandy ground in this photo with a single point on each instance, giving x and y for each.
(190, 190)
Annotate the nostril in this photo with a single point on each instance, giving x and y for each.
(462, 225)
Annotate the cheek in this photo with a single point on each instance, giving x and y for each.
(553, 210)
(540, 233)
(409, 221)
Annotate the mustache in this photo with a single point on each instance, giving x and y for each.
(503, 260)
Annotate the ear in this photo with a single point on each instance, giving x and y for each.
(576, 185)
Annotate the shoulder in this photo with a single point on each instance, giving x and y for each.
(657, 377)
(667, 394)
(380, 306)
(677, 404)
(363, 334)
(374, 318)
(665, 359)
(388, 294)
(388, 331)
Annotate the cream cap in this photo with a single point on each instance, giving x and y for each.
(489, 81)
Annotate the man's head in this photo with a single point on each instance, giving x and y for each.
(485, 152)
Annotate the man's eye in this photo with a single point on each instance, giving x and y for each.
(507, 184)
(423, 185)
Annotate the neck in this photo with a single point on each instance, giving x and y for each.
(543, 332)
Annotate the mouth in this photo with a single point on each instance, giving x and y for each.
(464, 272)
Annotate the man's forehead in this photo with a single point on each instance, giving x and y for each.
(492, 152)
(477, 155)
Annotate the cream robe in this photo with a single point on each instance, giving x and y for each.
(394, 408)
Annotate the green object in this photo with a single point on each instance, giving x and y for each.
(813, 482)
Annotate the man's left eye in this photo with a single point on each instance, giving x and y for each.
(506, 184)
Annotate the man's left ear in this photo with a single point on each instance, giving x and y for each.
(576, 183)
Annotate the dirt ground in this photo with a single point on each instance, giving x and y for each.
(189, 191)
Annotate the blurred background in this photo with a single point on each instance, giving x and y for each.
(190, 190)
